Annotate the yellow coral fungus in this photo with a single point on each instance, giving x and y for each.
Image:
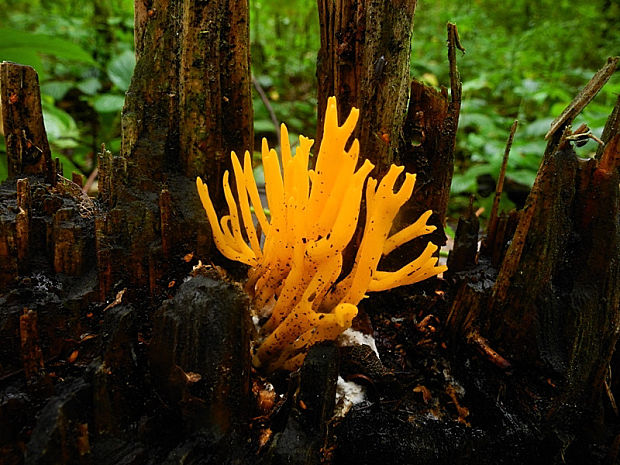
(297, 273)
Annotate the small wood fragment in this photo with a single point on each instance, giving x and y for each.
(22, 223)
(165, 213)
(584, 97)
(117, 300)
(485, 349)
(78, 179)
(492, 225)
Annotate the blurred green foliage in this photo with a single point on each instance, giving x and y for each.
(525, 60)
(83, 54)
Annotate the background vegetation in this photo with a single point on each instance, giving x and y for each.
(525, 59)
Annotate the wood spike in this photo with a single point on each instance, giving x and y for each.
(610, 159)
(78, 179)
(58, 167)
(27, 148)
(513, 254)
(165, 212)
(492, 225)
(22, 229)
(463, 254)
(23, 194)
(68, 243)
(454, 43)
(612, 127)
(32, 357)
(22, 222)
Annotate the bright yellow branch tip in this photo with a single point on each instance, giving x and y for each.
(314, 213)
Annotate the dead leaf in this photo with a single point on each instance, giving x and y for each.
(117, 300)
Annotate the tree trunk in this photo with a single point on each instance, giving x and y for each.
(189, 104)
(364, 62)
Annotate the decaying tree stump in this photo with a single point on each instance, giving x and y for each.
(189, 104)
(115, 351)
(553, 309)
(26, 141)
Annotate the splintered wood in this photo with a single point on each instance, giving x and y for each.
(32, 357)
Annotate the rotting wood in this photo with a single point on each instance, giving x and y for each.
(125, 373)
(32, 356)
(27, 147)
(427, 145)
(554, 306)
(465, 249)
(188, 105)
(364, 61)
(493, 216)
(513, 255)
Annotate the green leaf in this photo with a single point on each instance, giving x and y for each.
(108, 103)
(4, 170)
(463, 183)
(22, 56)
(61, 129)
(114, 145)
(120, 69)
(90, 86)
(483, 122)
(538, 127)
(28, 43)
(264, 81)
(259, 175)
(56, 89)
(525, 177)
(263, 125)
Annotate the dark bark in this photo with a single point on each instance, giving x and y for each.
(364, 62)
(201, 353)
(22, 119)
(189, 104)
(554, 306)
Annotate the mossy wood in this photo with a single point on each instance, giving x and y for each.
(108, 357)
